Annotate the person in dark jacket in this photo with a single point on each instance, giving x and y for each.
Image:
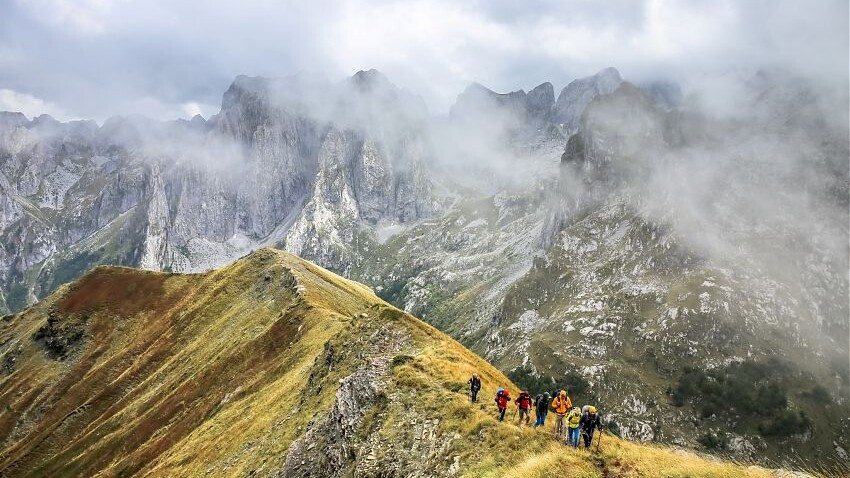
(590, 420)
(474, 387)
(541, 407)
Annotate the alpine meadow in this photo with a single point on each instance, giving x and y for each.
(424, 239)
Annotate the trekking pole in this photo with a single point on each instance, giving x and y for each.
(515, 410)
(599, 441)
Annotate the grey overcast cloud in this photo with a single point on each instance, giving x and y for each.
(173, 59)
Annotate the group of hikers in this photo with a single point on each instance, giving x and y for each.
(570, 422)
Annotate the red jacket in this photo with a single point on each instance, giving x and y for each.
(523, 401)
(503, 399)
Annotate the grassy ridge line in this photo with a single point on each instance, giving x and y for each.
(171, 367)
(205, 374)
(511, 451)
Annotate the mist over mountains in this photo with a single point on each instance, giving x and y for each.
(609, 232)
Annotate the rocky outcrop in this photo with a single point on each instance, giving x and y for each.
(60, 337)
(350, 439)
(334, 444)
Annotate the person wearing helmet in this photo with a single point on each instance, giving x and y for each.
(590, 420)
(573, 423)
(561, 404)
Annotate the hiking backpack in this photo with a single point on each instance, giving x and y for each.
(524, 397)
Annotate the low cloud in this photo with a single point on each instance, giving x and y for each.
(155, 57)
(31, 106)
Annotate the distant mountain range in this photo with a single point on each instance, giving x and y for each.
(618, 238)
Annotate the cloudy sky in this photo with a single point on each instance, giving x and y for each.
(170, 58)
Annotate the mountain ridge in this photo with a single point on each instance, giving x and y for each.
(640, 242)
(271, 366)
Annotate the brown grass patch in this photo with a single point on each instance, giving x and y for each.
(120, 290)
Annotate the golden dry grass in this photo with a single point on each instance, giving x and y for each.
(193, 375)
(495, 449)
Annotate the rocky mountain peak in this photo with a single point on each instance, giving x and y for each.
(667, 94)
(477, 96)
(625, 123)
(575, 96)
(608, 78)
(241, 86)
(12, 119)
(539, 106)
(43, 120)
(542, 95)
(478, 103)
(371, 80)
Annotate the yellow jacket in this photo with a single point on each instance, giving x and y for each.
(561, 404)
(575, 418)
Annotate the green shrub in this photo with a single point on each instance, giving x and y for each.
(613, 428)
(73, 268)
(391, 314)
(16, 297)
(819, 394)
(741, 392)
(785, 424)
(575, 383)
(401, 360)
(525, 379)
(572, 381)
(456, 386)
(394, 291)
(714, 441)
(691, 383)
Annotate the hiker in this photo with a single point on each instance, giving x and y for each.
(524, 404)
(541, 407)
(573, 423)
(502, 398)
(474, 387)
(561, 404)
(590, 419)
